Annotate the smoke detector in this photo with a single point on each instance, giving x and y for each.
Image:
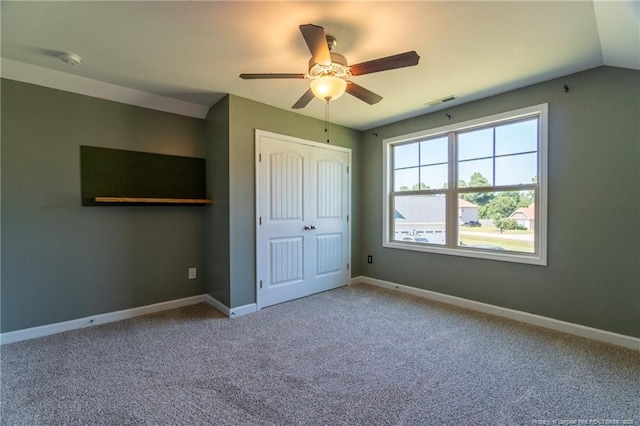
(70, 58)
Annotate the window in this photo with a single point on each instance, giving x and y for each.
(475, 189)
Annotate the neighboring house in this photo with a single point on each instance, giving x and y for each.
(467, 211)
(525, 216)
(417, 215)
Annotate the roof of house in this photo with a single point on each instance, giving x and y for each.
(465, 203)
(423, 209)
(524, 212)
(418, 208)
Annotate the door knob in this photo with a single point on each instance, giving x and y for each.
(312, 227)
(307, 227)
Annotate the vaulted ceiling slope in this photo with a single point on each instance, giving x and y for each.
(190, 53)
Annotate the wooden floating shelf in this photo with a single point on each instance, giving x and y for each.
(153, 200)
(116, 177)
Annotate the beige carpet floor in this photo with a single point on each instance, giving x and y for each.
(357, 355)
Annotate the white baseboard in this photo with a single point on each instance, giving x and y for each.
(49, 329)
(550, 323)
(230, 312)
(356, 280)
(538, 320)
(216, 304)
(243, 310)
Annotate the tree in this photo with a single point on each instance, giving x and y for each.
(498, 221)
(503, 205)
(507, 224)
(477, 198)
(416, 187)
(478, 180)
(420, 186)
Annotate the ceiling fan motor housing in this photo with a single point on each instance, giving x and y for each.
(338, 67)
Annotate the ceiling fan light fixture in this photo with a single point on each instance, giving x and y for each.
(328, 87)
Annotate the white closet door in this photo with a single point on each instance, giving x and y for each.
(303, 206)
(329, 177)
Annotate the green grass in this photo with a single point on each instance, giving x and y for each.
(493, 229)
(513, 245)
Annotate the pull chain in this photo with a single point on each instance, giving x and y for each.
(326, 120)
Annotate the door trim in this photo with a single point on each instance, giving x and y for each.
(260, 133)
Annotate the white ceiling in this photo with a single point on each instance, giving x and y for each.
(193, 51)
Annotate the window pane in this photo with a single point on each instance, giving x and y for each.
(491, 197)
(476, 172)
(434, 177)
(405, 155)
(419, 218)
(505, 221)
(434, 151)
(517, 137)
(405, 179)
(475, 144)
(516, 169)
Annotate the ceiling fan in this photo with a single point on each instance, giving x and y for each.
(329, 71)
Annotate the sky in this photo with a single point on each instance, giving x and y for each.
(510, 147)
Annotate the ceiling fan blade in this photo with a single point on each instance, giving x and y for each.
(268, 76)
(317, 42)
(363, 94)
(304, 100)
(401, 60)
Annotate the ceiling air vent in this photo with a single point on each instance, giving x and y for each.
(440, 101)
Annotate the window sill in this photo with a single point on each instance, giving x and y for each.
(531, 259)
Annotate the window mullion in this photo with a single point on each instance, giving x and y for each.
(452, 201)
(493, 177)
(419, 162)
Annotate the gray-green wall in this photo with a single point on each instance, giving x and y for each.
(593, 272)
(244, 117)
(216, 240)
(61, 261)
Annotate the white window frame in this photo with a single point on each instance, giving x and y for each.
(537, 258)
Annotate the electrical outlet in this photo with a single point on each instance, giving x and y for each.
(369, 259)
(192, 273)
